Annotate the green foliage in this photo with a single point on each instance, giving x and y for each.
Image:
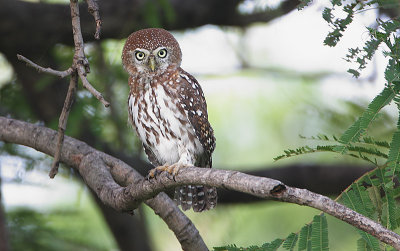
(303, 4)
(312, 237)
(375, 193)
(359, 128)
(31, 230)
(305, 238)
(156, 11)
(290, 241)
(384, 32)
(319, 233)
(366, 149)
(338, 24)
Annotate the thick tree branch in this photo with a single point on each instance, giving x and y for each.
(105, 175)
(91, 165)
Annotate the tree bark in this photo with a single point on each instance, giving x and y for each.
(82, 157)
(106, 176)
(326, 179)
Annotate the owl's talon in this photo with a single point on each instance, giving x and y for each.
(171, 170)
(155, 171)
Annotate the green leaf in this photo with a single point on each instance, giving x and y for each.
(272, 246)
(327, 15)
(354, 133)
(319, 233)
(305, 238)
(355, 73)
(371, 241)
(303, 4)
(375, 197)
(362, 245)
(290, 241)
(393, 165)
(391, 209)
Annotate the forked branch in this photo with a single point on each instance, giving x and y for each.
(121, 187)
(80, 67)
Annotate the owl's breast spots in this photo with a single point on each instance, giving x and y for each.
(163, 126)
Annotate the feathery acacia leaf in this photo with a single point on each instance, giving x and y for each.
(393, 165)
(303, 4)
(354, 133)
(290, 241)
(305, 238)
(319, 233)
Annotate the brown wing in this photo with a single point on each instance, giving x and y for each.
(193, 102)
(151, 156)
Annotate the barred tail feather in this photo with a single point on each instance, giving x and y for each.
(198, 197)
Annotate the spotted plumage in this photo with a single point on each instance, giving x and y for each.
(168, 110)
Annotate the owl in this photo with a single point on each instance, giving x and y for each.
(168, 110)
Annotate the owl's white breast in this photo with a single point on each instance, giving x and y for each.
(163, 127)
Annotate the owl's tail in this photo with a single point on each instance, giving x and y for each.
(198, 197)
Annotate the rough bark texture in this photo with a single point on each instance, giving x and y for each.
(326, 179)
(83, 158)
(107, 175)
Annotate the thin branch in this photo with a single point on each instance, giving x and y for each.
(80, 61)
(61, 74)
(62, 122)
(80, 66)
(109, 177)
(93, 9)
(90, 88)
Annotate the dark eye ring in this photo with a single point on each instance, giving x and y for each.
(139, 55)
(162, 53)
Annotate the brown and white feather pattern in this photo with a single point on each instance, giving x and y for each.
(168, 110)
(170, 117)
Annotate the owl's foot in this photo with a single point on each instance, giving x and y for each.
(155, 171)
(171, 170)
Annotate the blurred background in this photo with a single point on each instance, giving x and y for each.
(270, 85)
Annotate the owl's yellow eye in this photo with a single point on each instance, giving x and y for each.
(162, 53)
(139, 55)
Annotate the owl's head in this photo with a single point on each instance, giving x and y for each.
(151, 51)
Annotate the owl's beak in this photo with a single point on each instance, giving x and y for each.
(152, 64)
